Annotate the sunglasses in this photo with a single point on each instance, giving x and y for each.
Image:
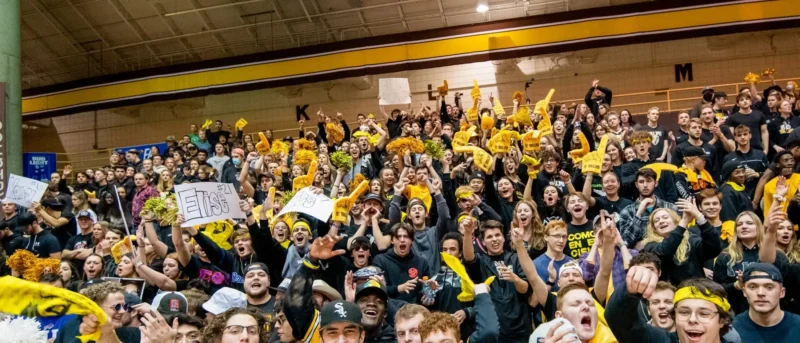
(120, 307)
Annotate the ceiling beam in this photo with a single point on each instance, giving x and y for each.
(402, 17)
(210, 25)
(64, 32)
(279, 14)
(325, 25)
(203, 9)
(305, 10)
(134, 26)
(93, 26)
(175, 30)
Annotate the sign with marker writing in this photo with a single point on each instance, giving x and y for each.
(206, 202)
(23, 191)
(305, 201)
(394, 91)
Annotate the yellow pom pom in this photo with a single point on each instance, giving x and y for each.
(401, 145)
(303, 143)
(487, 123)
(752, 78)
(304, 157)
(335, 133)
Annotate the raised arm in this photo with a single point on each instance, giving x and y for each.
(177, 240)
(158, 246)
(540, 288)
(587, 189)
(603, 278)
(487, 326)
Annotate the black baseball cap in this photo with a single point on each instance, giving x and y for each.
(172, 303)
(372, 287)
(256, 266)
(360, 241)
(772, 272)
(477, 175)
(693, 151)
(25, 219)
(339, 311)
(52, 203)
(373, 196)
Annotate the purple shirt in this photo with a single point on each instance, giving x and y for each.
(618, 271)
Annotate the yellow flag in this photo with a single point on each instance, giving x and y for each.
(593, 161)
(207, 124)
(545, 125)
(467, 285)
(31, 299)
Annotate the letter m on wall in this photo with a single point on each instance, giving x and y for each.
(683, 71)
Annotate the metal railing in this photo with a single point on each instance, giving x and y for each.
(637, 103)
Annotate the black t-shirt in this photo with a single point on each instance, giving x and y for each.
(79, 242)
(12, 223)
(197, 269)
(754, 121)
(788, 330)
(613, 207)
(579, 239)
(269, 312)
(658, 134)
(63, 232)
(42, 244)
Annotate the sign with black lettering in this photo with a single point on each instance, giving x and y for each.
(683, 71)
(206, 202)
(23, 191)
(301, 111)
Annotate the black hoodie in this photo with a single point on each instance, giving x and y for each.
(397, 270)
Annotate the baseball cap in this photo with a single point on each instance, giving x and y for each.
(772, 272)
(25, 219)
(132, 299)
(339, 311)
(52, 203)
(171, 303)
(367, 272)
(693, 151)
(570, 265)
(170, 138)
(373, 196)
(133, 151)
(224, 299)
(256, 266)
(597, 218)
(88, 214)
(360, 241)
(477, 175)
(730, 166)
(370, 287)
(323, 288)
(283, 286)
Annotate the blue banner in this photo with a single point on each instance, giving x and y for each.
(144, 149)
(38, 165)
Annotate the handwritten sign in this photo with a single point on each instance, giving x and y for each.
(305, 201)
(394, 91)
(23, 191)
(205, 202)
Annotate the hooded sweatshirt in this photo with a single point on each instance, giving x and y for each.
(399, 269)
(426, 241)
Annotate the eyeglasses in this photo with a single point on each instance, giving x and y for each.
(559, 237)
(120, 307)
(703, 316)
(236, 330)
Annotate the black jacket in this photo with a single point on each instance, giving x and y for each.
(725, 275)
(229, 174)
(593, 103)
(397, 270)
(704, 244)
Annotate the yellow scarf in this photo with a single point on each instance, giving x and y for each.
(735, 186)
(769, 191)
(691, 176)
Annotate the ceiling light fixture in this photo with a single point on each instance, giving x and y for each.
(482, 8)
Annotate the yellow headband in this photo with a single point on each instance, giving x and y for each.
(303, 225)
(692, 292)
(648, 139)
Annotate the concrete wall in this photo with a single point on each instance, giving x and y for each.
(626, 69)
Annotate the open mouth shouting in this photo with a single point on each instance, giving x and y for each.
(694, 334)
(361, 258)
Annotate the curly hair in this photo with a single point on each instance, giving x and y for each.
(439, 322)
(99, 292)
(535, 230)
(216, 327)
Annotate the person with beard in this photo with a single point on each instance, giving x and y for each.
(426, 239)
(53, 217)
(634, 217)
(232, 263)
(556, 238)
(404, 269)
(39, 241)
(734, 193)
(702, 312)
(611, 202)
(301, 238)
(765, 321)
(754, 160)
(692, 177)
(256, 287)
(509, 292)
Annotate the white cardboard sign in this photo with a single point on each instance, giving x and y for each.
(23, 191)
(206, 202)
(394, 91)
(305, 201)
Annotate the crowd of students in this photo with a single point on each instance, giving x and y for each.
(552, 223)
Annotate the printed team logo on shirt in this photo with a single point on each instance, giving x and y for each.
(656, 135)
(413, 273)
(81, 245)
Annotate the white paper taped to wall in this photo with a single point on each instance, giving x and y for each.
(394, 91)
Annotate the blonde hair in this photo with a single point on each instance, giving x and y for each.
(735, 249)
(535, 230)
(682, 254)
(165, 185)
(793, 250)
